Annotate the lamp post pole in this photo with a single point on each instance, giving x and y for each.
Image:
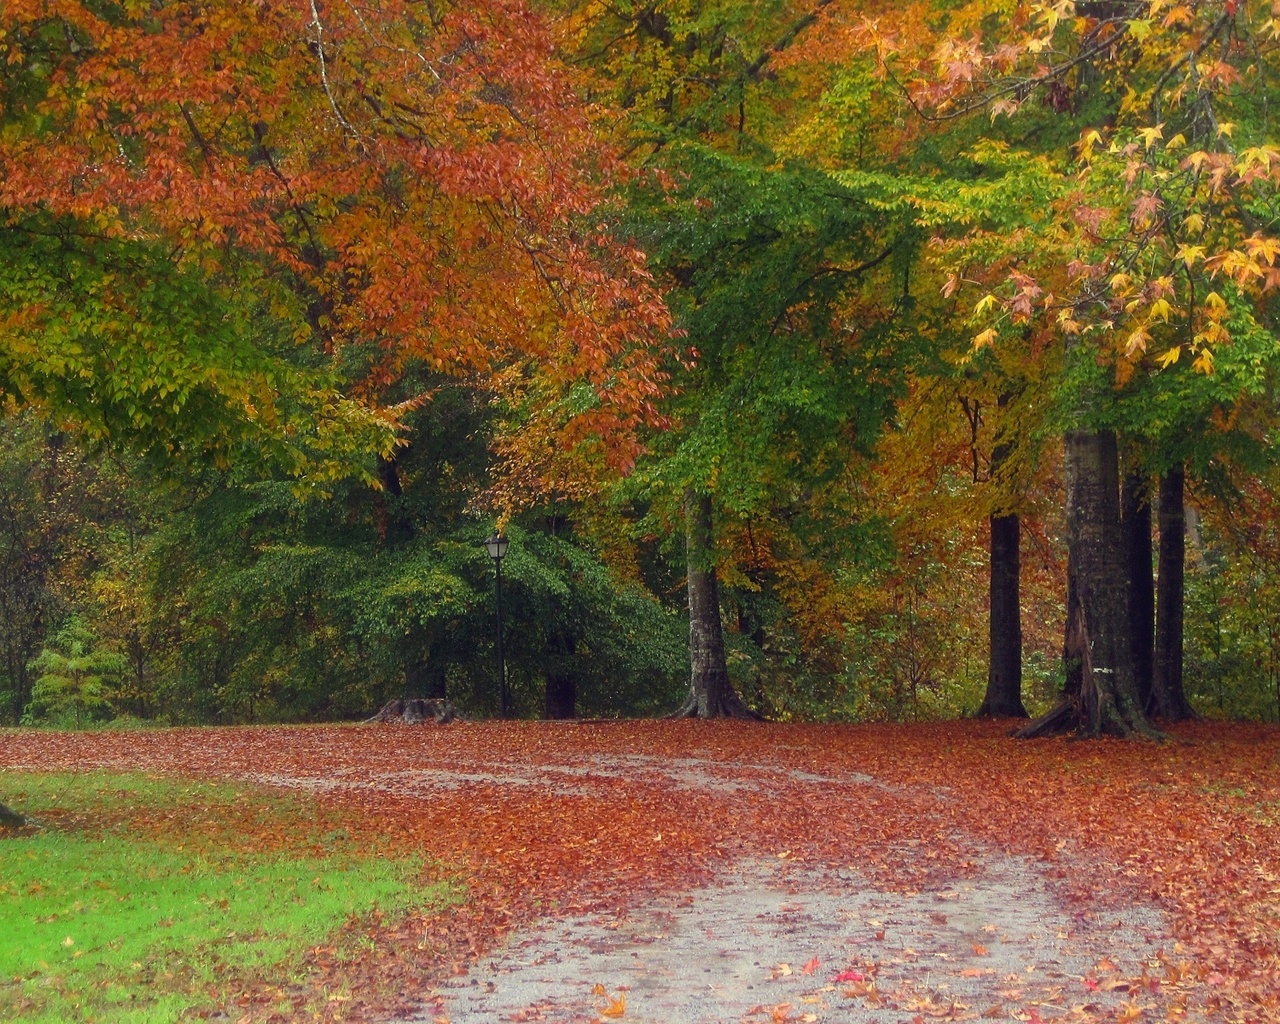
(504, 697)
(497, 548)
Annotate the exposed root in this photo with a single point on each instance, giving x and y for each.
(988, 710)
(726, 704)
(11, 819)
(414, 712)
(1063, 717)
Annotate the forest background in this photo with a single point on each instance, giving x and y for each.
(757, 324)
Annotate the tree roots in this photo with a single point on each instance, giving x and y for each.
(414, 712)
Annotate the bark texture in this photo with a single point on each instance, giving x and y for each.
(1101, 696)
(1168, 699)
(1004, 669)
(711, 695)
(1135, 501)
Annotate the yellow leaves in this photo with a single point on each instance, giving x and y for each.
(1170, 357)
(1204, 362)
(1088, 140)
(1190, 254)
(1050, 15)
(1140, 28)
(1136, 343)
(1151, 135)
(985, 304)
(1213, 334)
(1226, 128)
(1193, 222)
(1262, 247)
(1196, 160)
(1215, 305)
(985, 339)
(1161, 310)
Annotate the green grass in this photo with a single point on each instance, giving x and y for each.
(143, 897)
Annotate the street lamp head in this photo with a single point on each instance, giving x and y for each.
(497, 547)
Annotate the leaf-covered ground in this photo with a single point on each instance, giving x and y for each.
(572, 819)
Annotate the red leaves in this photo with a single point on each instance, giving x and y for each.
(552, 820)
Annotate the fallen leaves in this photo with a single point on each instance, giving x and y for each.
(613, 1008)
(1177, 834)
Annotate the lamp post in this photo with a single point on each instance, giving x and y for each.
(497, 548)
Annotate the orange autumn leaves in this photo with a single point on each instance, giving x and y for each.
(1192, 825)
(424, 180)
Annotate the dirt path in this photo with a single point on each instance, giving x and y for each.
(769, 942)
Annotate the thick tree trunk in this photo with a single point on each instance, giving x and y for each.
(711, 695)
(1101, 696)
(561, 690)
(10, 819)
(1004, 670)
(1135, 501)
(1168, 699)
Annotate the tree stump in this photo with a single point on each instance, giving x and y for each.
(433, 710)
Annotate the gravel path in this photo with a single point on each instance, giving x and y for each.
(772, 941)
(775, 942)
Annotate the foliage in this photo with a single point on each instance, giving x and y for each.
(1233, 607)
(76, 681)
(395, 187)
(107, 918)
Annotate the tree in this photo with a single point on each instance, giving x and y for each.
(1135, 522)
(1168, 698)
(392, 186)
(785, 287)
(1128, 244)
(75, 679)
(1003, 698)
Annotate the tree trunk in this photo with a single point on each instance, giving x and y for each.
(1004, 669)
(394, 525)
(561, 690)
(1168, 699)
(711, 695)
(10, 819)
(1101, 696)
(1135, 501)
(561, 695)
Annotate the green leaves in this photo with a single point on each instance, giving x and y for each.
(140, 348)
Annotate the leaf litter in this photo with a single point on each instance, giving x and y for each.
(552, 822)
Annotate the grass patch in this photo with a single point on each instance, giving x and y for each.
(145, 897)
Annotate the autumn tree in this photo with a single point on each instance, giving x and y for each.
(264, 214)
(1111, 210)
(784, 285)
